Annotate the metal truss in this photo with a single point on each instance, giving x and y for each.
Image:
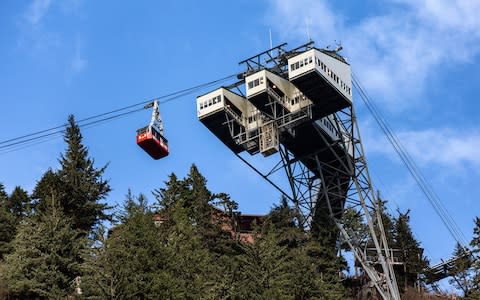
(332, 178)
(324, 180)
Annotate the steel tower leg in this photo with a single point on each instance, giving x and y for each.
(343, 179)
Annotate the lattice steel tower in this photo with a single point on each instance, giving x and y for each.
(295, 107)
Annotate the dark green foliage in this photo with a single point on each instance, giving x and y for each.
(411, 253)
(13, 209)
(354, 221)
(3, 194)
(197, 204)
(48, 187)
(43, 262)
(264, 269)
(400, 239)
(19, 203)
(8, 225)
(78, 185)
(187, 255)
(475, 247)
(389, 222)
(462, 273)
(146, 261)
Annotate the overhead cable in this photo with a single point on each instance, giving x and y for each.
(412, 167)
(26, 140)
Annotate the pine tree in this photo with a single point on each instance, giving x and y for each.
(84, 183)
(3, 195)
(78, 185)
(19, 203)
(144, 260)
(411, 253)
(43, 263)
(7, 231)
(13, 209)
(462, 272)
(121, 266)
(7, 224)
(192, 197)
(264, 269)
(475, 244)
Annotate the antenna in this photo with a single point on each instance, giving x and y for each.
(307, 28)
(270, 33)
(339, 46)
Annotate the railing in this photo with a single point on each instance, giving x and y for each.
(233, 114)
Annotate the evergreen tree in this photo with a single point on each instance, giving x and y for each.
(7, 224)
(475, 244)
(84, 184)
(284, 219)
(462, 272)
(146, 261)
(19, 203)
(411, 253)
(354, 223)
(122, 265)
(192, 197)
(47, 187)
(3, 195)
(12, 209)
(388, 222)
(43, 263)
(7, 231)
(78, 184)
(264, 269)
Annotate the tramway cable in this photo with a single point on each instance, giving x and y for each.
(30, 139)
(411, 166)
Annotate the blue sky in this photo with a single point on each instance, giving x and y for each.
(419, 61)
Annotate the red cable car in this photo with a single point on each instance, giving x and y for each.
(150, 138)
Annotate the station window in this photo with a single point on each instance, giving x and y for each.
(253, 118)
(295, 66)
(255, 82)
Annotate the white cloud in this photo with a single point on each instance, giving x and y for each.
(444, 146)
(37, 10)
(396, 53)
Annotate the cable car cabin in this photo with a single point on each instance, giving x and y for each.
(150, 140)
(324, 77)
